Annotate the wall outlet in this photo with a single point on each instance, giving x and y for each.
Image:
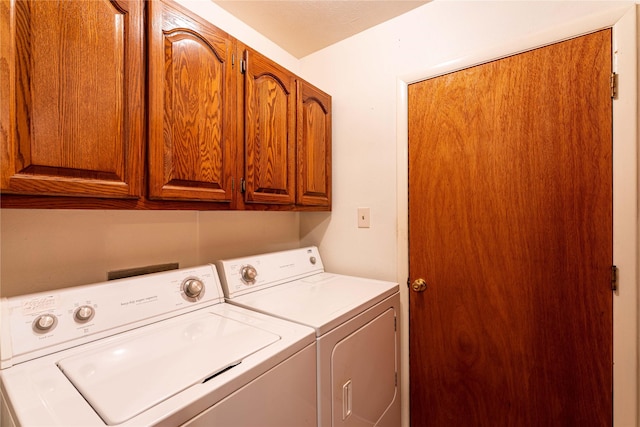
(364, 218)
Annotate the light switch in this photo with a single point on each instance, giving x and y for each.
(364, 218)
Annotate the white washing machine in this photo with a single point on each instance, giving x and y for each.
(160, 349)
(356, 326)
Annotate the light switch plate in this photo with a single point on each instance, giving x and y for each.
(364, 218)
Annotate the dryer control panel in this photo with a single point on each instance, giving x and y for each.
(244, 275)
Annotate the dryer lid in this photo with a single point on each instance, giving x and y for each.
(130, 375)
(322, 301)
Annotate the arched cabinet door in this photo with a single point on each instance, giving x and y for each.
(73, 121)
(269, 120)
(192, 144)
(313, 178)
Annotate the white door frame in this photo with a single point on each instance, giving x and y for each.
(625, 196)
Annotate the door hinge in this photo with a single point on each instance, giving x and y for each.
(395, 324)
(408, 282)
(243, 185)
(614, 278)
(613, 83)
(243, 66)
(233, 60)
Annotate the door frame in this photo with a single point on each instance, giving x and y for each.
(625, 196)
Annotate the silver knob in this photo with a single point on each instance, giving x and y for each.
(248, 274)
(193, 288)
(44, 323)
(84, 314)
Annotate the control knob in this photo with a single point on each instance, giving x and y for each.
(83, 314)
(248, 274)
(193, 288)
(44, 323)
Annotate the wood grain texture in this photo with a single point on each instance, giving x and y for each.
(192, 140)
(270, 139)
(313, 177)
(510, 222)
(75, 91)
(74, 123)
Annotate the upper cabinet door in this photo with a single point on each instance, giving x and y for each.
(192, 144)
(269, 107)
(314, 146)
(73, 98)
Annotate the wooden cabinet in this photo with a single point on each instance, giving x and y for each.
(219, 135)
(287, 136)
(73, 88)
(313, 177)
(192, 139)
(269, 131)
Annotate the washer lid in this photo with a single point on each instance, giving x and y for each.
(132, 374)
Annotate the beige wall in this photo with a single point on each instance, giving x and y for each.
(49, 249)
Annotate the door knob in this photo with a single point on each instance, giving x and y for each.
(419, 285)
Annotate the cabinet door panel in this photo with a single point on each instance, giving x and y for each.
(314, 146)
(269, 131)
(192, 145)
(75, 89)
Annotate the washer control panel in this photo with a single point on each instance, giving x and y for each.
(249, 274)
(38, 324)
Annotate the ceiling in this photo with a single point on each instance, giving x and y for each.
(303, 27)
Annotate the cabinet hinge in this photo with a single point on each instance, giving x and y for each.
(395, 324)
(396, 379)
(233, 60)
(243, 66)
(408, 282)
(243, 185)
(613, 83)
(614, 278)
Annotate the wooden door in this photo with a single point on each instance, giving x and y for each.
(269, 108)
(510, 216)
(313, 177)
(192, 140)
(73, 98)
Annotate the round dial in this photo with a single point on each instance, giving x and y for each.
(45, 323)
(193, 288)
(84, 314)
(248, 273)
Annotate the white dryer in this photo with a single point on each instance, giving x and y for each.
(160, 349)
(356, 326)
